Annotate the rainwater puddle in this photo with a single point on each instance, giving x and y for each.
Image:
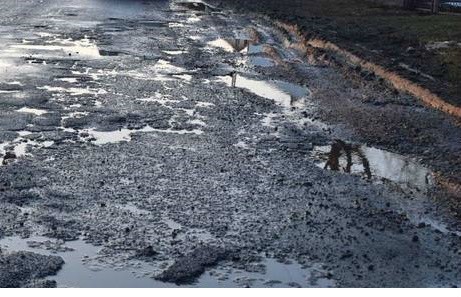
(372, 163)
(85, 268)
(276, 274)
(235, 45)
(75, 273)
(133, 209)
(195, 6)
(74, 91)
(175, 53)
(440, 226)
(34, 111)
(84, 48)
(284, 93)
(11, 151)
(162, 71)
(124, 135)
(71, 80)
(261, 61)
(244, 46)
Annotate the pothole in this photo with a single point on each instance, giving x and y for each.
(235, 45)
(84, 48)
(13, 150)
(124, 134)
(34, 111)
(283, 93)
(373, 163)
(86, 266)
(82, 267)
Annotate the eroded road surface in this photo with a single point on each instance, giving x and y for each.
(164, 144)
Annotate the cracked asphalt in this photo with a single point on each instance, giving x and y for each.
(164, 144)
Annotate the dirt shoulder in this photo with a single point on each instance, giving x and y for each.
(424, 48)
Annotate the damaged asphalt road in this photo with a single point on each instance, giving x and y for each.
(160, 144)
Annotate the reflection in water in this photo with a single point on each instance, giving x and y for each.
(372, 162)
(87, 267)
(337, 149)
(197, 6)
(286, 94)
(237, 45)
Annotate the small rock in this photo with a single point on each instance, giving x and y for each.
(147, 252)
(9, 155)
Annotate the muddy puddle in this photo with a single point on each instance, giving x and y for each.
(261, 61)
(82, 268)
(73, 91)
(372, 163)
(237, 45)
(85, 266)
(253, 52)
(162, 71)
(284, 93)
(197, 6)
(59, 47)
(11, 151)
(124, 134)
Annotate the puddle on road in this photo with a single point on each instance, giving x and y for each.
(84, 48)
(284, 93)
(162, 71)
(124, 134)
(261, 61)
(72, 80)
(253, 51)
(175, 52)
(75, 273)
(277, 274)
(34, 111)
(74, 91)
(11, 151)
(165, 67)
(196, 6)
(85, 267)
(371, 162)
(233, 45)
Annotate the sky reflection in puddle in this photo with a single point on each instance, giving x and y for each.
(283, 93)
(84, 48)
(85, 267)
(125, 135)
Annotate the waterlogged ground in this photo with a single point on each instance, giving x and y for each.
(165, 144)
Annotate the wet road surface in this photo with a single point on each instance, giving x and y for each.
(161, 143)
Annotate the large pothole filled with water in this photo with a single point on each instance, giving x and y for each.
(374, 164)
